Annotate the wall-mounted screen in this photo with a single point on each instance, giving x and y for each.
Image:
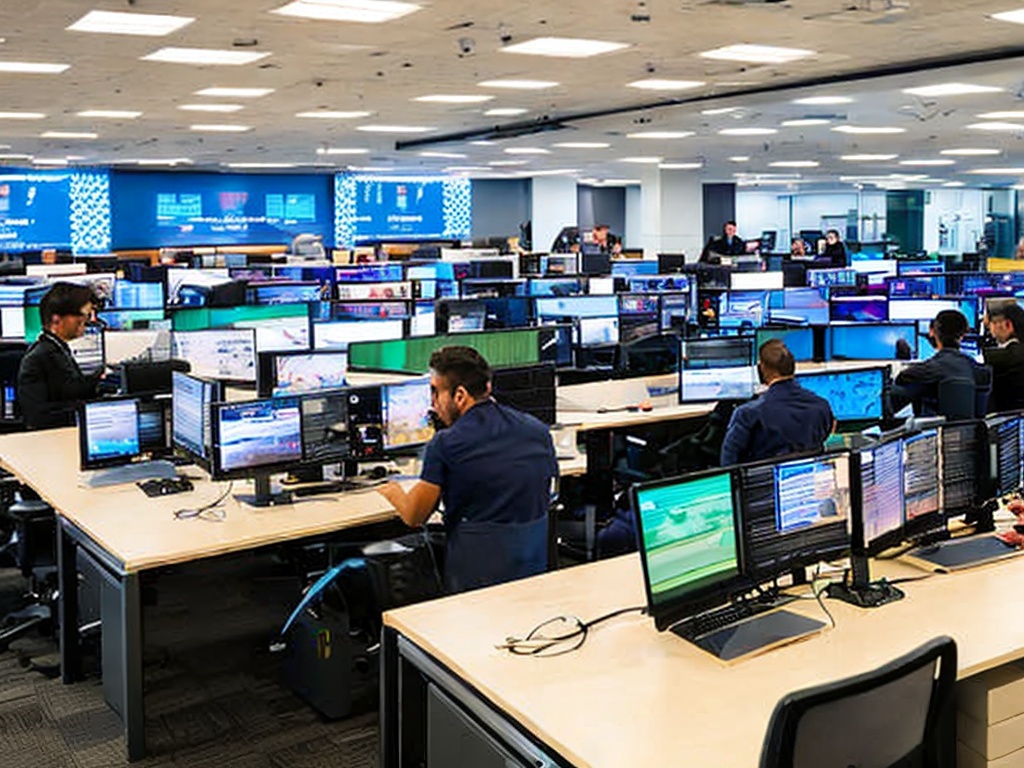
(402, 208)
(167, 209)
(36, 208)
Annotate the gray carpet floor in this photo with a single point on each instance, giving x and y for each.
(213, 690)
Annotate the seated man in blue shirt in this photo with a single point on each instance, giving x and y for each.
(918, 384)
(785, 419)
(493, 468)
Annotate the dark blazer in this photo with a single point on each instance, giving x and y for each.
(50, 384)
(836, 255)
(1007, 365)
(727, 246)
(919, 383)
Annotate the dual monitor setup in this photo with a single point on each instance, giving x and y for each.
(710, 539)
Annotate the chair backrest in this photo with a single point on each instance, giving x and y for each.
(900, 714)
(957, 398)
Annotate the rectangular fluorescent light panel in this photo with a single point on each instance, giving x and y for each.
(361, 11)
(868, 129)
(68, 135)
(210, 107)
(224, 128)
(519, 85)
(113, 114)
(115, 23)
(33, 67)
(204, 56)
(867, 158)
(565, 47)
(950, 89)
(324, 114)
(757, 54)
(21, 115)
(235, 93)
(505, 112)
(453, 98)
(655, 84)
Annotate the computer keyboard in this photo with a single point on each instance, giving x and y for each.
(719, 618)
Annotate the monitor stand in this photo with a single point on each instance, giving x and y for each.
(861, 591)
(129, 473)
(262, 497)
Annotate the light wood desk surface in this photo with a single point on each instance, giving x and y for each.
(633, 696)
(142, 532)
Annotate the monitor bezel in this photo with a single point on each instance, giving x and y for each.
(886, 373)
(217, 470)
(217, 396)
(84, 462)
(266, 369)
(858, 545)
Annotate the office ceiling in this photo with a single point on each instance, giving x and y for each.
(864, 50)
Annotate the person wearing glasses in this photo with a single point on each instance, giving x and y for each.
(50, 383)
(493, 468)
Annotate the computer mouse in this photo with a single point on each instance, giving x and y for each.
(379, 472)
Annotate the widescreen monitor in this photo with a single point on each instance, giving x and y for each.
(108, 433)
(377, 207)
(926, 309)
(338, 335)
(143, 345)
(823, 278)
(1005, 453)
(799, 341)
(283, 293)
(858, 309)
(598, 331)
(382, 291)
(521, 346)
(370, 273)
(129, 319)
(508, 312)
(297, 372)
(921, 483)
(869, 341)
(628, 268)
(554, 286)
(800, 306)
(756, 281)
(854, 395)
(576, 306)
(223, 353)
(405, 411)
(129, 295)
(963, 460)
(36, 209)
(689, 543)
(325, 435)
(529, 388)
(743, 309)
(191, 399)
(259, 435)
(659, 283)
(879, 514)
(367, 310)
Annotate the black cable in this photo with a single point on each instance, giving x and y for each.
(185, 514)
(817, 593)
(594, 622)
(535, 643)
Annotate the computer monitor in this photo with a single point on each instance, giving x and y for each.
(191, 399)
(367, 290)
(1004, 453)
(576, 306)
(296, 372)
(743, 309)
(794, 513)
(527, 388)
(878, 511)
(601, 286)
(554, 345)
(130, 295)
(139, 345)
(634, 267)
(283, 292)
(222, 353)
(365, 423)
(716, 369)
(508, 312)
(108, 433)
(858, 309)
(365, 310)
(481, 288)
(639, 316)
(460, 315)
(369, 273)
(799, 341)
(927, 309)
(671, 262)
(261, 436)
(675, 311)
(87, 349)
(689, 543)
(921, 482)
(595, 263)
(554, 286)
(868, 341)
(325, 427)
(756, 281)
(804, 306)
(125, 319)
(961, 467)
(598, 331)
(855, 396)
(658, 283)
(823, 278)
(405, 411)
(916, 286)
(338, 335)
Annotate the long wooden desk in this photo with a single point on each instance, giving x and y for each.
(124, 533)
(633, 696)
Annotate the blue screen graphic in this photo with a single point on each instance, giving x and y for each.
(869, 341)
(54, 209)
(853, 395)
(168, 209)
(413, 208)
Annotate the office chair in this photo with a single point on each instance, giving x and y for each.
(897, 716)
(34, 546)
(956, 398)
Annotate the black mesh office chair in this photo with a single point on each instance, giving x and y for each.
(957, 399)
(34, 547)
(897, 716)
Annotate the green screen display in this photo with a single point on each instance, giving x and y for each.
(689, 535)
(202, 318)
(499, 349)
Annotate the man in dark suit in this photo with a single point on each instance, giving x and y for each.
(1006, 324)
(50, 383)
(918, 384)
(729, 244)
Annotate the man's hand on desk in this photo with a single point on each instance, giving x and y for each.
(415, 506)
(1015, 536)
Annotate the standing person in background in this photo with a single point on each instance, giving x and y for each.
(729, 244)
(835, 250)
(1005, 321)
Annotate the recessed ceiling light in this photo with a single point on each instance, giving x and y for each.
(747, 131)
(680, 166)
(655, 84)
(498, 163)
(165, 161)
(49, 161)
(453, 98)
(969, 152)
(527, 151)
(757, 54)
(342, 151)
(659, 135)
(325, 114)
(551, 172)
(483, 143)
(235, 93)
(115, 23)
(210, 107)
(954, 184)
(567, 47)
(582, 145)
(68, 135)
(868, 129)
(446, 155)
(15, 157)
(33, 67)
(260, 165)
(950, 89)
(394, 128)
(204, 56)
(642, 160)
(804, 121)
(823, 100)
(465, 168)
(866, 158)
(505, 112)
(925, 162)
(1017, 17)
(21, 115)
(617, 182)
(364, 11)
(719, 110)
(1011, 115)
(998, 171)
(113, 114)
(739, 158)
(997, 127)
(520, 85)
(795, 164)
(223, 128)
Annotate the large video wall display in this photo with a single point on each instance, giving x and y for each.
(63, 209)
(182, 209)
(375, 207)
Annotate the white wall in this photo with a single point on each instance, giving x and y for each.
(632, 237)
(760, 210)
(954, 219)
(682, 213)
(553, 206)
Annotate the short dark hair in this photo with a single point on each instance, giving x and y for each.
(726, 224)
(832, 232)
(776, 357)
(64, 299)
(462, 367)
(1011, 311)
(950, 327)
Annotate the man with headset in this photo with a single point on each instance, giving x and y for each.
(494, 469)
